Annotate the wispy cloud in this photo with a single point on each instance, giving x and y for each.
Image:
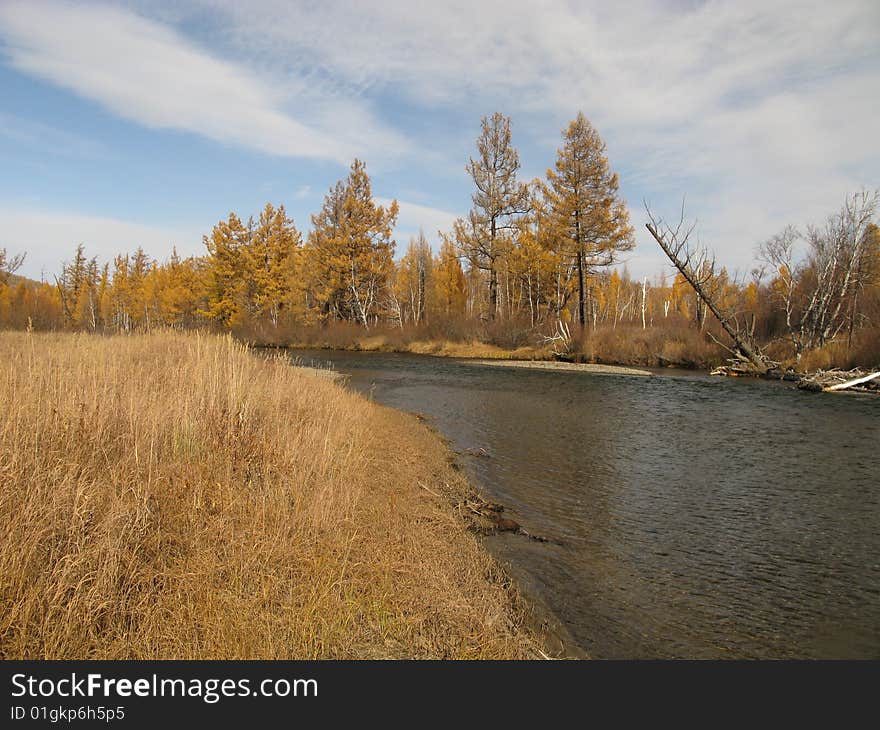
(762, 113)
(149, 73)
(746, 106)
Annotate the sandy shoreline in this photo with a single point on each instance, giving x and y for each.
(591, 368)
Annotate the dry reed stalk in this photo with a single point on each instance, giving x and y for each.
(173, 496)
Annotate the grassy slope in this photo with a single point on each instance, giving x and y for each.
(173, 496)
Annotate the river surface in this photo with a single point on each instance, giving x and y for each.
(691, 516)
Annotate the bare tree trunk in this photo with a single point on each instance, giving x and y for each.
(580, 265)
(680, 254)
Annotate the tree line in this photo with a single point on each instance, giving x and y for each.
(528, 257)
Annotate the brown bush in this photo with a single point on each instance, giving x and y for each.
(675, 344)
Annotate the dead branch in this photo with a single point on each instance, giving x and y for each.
(831, 381)
(560, 341)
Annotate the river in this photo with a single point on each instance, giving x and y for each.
(690, 516)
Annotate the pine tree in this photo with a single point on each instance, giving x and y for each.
(141, 289)
(77, 288)
(269, 261)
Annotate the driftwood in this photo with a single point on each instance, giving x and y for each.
(735, 369)
(485, 517)
(854, 382)
(831, 381)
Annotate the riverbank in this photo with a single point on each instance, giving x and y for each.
(478, 353)
(667, 344)
(661, 540)
(672, 345)
(174, 497)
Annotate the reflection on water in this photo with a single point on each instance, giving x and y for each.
(699, 517)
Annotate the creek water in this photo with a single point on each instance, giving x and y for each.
(689, 516)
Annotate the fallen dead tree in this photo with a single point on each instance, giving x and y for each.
(832, 381)
(697, 267)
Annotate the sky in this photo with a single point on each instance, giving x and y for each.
(144, 123)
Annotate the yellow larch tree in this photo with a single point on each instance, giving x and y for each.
(225, 280)
(590, 218)
(498, 202)
(269, 263)
(350, 251)
(450, 285)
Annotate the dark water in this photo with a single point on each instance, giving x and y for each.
(697, 516)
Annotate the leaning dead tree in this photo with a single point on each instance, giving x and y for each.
(697, 266)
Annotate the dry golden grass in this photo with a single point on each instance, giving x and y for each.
(173, 496)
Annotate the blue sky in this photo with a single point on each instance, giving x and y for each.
(143, 123)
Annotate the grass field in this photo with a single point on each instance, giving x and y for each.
(175, 496)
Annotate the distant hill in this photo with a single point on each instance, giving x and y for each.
(14, 280)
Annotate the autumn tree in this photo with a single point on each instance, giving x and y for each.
(78, 288)
(268, 264)
(590, 220)
(449, 281)
(415, 278)
(225, 280)
(8, 266)
(498, 202)
(180, 290)
(819, 292)
(30, 304)
(350, 251)
(140, 287)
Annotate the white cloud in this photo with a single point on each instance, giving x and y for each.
(766, 109)
(148, 73)
(50, 237)
(761, 113)
(414, 217)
